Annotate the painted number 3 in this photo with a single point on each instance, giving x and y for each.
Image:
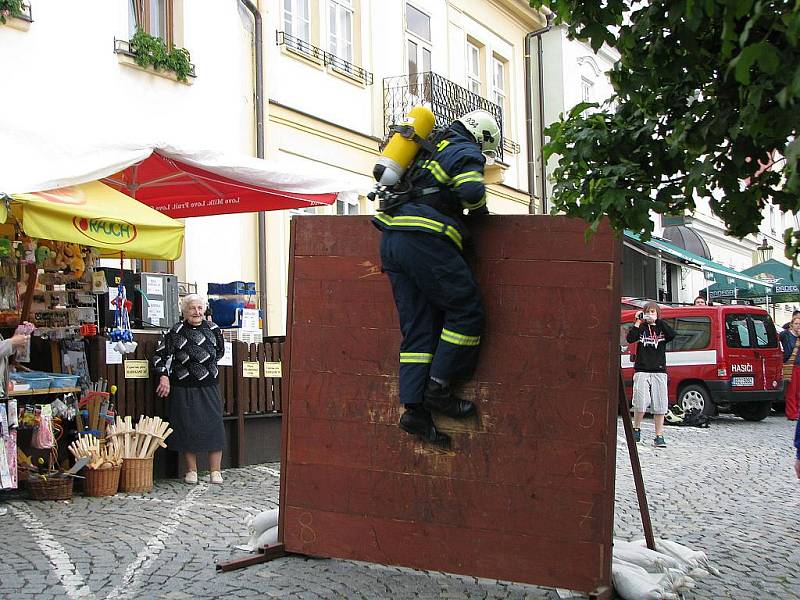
(307, 533)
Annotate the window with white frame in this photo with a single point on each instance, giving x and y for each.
(297, 19)
(473, 68)
(340, 29)
(418, 23)
(499, 83)
(418, 42)
(586, 89)
(348, 206)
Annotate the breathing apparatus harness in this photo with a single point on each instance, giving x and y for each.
(392, 196)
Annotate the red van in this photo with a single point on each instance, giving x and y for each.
(724, 358)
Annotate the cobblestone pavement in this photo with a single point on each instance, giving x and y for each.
(728, 490)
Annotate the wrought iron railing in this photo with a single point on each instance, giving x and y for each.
(124, 47)
(446, 99)
(326, 58)
(27, 13)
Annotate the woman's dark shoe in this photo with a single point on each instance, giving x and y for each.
(439, 398)
(418, 421)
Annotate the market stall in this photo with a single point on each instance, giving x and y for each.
(181, 180)
(50, 245)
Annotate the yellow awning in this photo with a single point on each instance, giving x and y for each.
(94, 214)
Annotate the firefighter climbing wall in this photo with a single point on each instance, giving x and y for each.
(526, 492)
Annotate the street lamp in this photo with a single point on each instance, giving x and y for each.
(764, 251)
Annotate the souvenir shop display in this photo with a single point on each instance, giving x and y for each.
(138, 444)
(121, 334)
(104, 466)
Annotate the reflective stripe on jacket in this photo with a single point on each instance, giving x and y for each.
(423, 218)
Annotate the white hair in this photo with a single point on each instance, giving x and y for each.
(189, 299)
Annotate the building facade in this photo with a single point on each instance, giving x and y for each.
(337, 73)
(341, 72)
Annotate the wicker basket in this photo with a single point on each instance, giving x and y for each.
(52, 488)
(101, 482)
(136, 475)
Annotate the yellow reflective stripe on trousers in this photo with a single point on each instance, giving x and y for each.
(467, 177)
(438, 172)
(477, 204)
(416, 357)
(424, 223)
(459, 339)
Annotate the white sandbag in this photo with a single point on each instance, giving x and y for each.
(696, 560)
(265, 538)
(268, 538)
(633, 582)
(650, 560)
(262, 521)
(679, 581)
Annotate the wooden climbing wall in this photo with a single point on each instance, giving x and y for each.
(527, 491)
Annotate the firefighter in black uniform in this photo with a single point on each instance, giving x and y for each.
(438, 302)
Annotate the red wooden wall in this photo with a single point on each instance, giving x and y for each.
(527, 491)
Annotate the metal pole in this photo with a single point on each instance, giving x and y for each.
(262, 216)
(529, 113)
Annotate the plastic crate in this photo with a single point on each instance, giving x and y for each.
(36, 380)
(234, 288)
(60, 380)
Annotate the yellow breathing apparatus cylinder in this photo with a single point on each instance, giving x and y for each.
(402, 148)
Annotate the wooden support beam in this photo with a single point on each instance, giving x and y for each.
(264, 554)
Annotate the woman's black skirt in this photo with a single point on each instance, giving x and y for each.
(195, 415)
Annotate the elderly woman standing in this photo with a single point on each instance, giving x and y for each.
(186, 363)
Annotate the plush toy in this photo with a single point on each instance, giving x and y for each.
(91, 256)
(54, 258)
(43, 253)
(28, 250)
(74, 259)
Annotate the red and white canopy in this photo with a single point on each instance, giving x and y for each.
(179, 182)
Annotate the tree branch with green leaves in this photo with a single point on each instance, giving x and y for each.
(706, 95)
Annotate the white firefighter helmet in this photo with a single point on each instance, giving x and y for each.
(484, 129)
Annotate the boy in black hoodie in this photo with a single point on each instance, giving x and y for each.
(650, 369)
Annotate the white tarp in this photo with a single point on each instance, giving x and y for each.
(35, 160)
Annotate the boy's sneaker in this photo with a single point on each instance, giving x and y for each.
(637, 435)
(659, 442)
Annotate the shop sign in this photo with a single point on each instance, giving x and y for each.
(137, 369)
(272, 369)
(106, 231)
(251, 369)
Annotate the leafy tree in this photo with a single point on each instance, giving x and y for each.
(706, 93)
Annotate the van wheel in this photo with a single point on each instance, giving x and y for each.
(753, 411)
(696, 397)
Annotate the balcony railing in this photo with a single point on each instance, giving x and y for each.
(124, 47)
(446, 99)
(25, 13)
(336, 63)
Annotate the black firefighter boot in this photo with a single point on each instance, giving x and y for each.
(439, 398)
(418, 421)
